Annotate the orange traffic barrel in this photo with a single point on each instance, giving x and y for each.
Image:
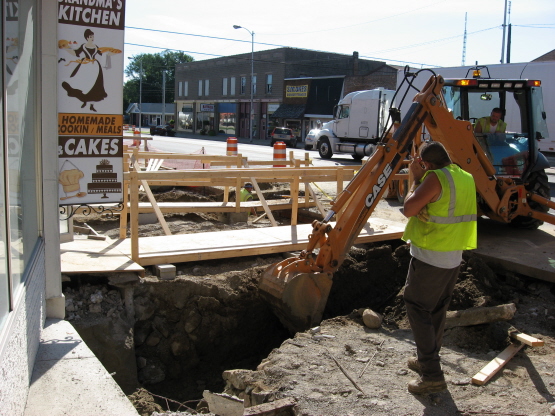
(279, 153)
(232, 146)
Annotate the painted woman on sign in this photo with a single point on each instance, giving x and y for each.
(88, 85)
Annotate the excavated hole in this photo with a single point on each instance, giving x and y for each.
(186, 332)
(209, 319)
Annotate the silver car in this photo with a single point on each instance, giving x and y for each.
(310, 140)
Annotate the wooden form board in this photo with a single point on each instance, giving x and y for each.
(498, 362)
(95, 256)
(493, 367)
(181, 207)
(237, 243)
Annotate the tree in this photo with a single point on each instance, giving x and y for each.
(153, 65)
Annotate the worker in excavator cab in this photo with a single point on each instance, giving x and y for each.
(441, 207)
(491, 124)
(491, 136)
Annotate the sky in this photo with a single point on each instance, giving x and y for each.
(426, 33)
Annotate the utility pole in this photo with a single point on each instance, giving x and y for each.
(509, 37)
(464, 40)
(163, 123)
(504, 28)
(251, 120)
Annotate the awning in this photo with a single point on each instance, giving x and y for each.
(289, 111)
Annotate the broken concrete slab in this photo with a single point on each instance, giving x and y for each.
(280, 407)
(223, 404)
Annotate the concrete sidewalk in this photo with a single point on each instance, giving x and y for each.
(68, 379)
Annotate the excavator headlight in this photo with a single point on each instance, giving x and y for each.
(507, 85)
(495, 85)
(519, 85)
(534, 83)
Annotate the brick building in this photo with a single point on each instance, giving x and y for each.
(293, 87)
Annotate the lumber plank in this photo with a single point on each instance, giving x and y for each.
(493, 367)
(526, 339)
(95, 256)
(178, 207)
(238, 243)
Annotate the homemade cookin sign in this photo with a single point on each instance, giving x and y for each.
(90, 123)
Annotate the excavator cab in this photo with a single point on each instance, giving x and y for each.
(513, 152)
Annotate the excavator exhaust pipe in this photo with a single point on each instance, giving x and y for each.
(298, 299)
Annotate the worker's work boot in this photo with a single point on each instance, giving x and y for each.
(426, 387)
(414, 365)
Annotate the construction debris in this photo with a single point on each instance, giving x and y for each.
(498, 362)
(477, 316)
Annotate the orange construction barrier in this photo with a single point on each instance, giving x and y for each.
(280, 153)
(136, 138)
(232, 146)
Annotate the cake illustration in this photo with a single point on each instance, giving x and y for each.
(104, 180)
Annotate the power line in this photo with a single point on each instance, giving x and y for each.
(238, 40)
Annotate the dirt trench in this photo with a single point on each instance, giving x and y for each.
(186, 332)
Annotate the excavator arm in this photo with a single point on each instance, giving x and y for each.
(298, 288)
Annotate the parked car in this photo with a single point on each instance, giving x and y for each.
(283, 134)
(160, 130)
(310, 140)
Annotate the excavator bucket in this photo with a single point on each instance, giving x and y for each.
(297, 298)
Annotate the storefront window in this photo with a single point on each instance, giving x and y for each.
(18, 190)
(228, 118)
(185, 118)
(205, 122)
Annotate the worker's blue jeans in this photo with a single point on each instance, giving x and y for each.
(427, 295)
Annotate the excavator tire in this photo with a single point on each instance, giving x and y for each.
(538, 183)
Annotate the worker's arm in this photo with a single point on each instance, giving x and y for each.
(420, 194)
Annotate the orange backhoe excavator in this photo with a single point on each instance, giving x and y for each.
(510, 180)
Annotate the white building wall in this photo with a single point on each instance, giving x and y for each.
(20, 341)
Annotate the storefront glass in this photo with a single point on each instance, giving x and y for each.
(18, 189)
(228, 118)
(185, 119)
(205, 118)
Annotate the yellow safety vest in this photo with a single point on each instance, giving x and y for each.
(245, 195)
(452, 222)
(485, 123)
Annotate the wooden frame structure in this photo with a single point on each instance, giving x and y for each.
(226, 177)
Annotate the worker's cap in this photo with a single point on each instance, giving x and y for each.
(248, 185)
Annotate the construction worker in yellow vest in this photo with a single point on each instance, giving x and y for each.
(246, 195)
(441, 207)
(491, 124)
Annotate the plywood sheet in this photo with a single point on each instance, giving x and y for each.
(95, 256)
(247, 242)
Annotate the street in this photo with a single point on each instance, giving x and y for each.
(260, 150)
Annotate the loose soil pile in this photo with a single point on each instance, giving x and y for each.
(210, 319)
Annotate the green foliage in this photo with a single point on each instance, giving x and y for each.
(211, 133)
(153, 65)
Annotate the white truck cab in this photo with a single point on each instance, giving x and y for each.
(359, 119)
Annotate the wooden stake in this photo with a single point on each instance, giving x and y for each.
(526, 339)
(493, 367)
